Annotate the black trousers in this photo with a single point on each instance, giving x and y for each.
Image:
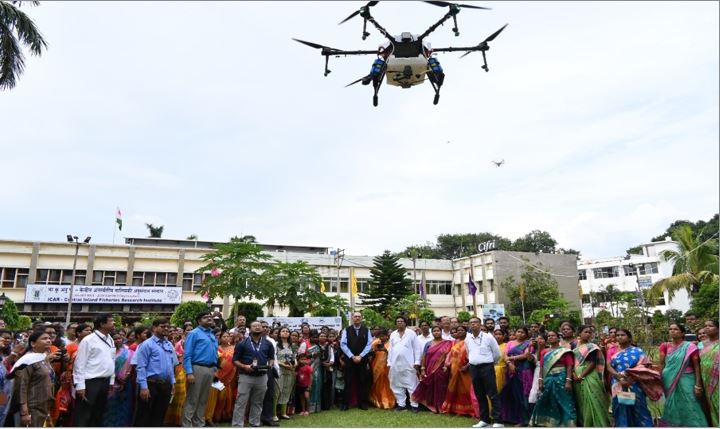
(483, 381)
(152, 412)
(357, 375)
(268, 409)
(89, 412)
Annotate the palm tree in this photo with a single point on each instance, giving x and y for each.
(695, 264)
(155, 231)
(16, 28)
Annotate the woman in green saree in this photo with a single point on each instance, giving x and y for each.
(710, 368)
(682, 381)
(592, 401)
(555, 406)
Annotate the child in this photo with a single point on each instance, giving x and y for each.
(303, 383)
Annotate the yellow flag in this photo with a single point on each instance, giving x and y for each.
(353, 282)
(322, 286)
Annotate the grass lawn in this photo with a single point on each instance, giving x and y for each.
(374, 417)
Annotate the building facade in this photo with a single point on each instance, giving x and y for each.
(632, 274)
(152, 276)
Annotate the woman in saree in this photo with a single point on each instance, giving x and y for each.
(680, 366)
(592, 402)
(6, 386)
(518, 380)
(555, 406)
(220, 403)
(538, 344)
(433, 378)
(502, 338)
(381, 396)
(63, 398)
(567, 332)
(295, 341)
(173, 416)
(327, 360)
(627, 357)
(459, 399)
(121, 398)
(315, 402)
(287, 360)
(610, 347)
(710, 369)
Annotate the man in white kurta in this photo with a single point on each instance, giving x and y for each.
(404, 362)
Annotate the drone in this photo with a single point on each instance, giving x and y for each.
(498, 164)
(406, 60)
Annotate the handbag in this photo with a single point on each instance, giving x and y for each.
(626, 398)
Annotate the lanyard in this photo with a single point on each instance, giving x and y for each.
(256, 350)
(103, 340)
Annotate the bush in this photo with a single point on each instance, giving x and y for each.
(187, 311)
(372, 318)
(24, 323)
(463, 316)
(250, 310)
(9, 314)
(426, 315)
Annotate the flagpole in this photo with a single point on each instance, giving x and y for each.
(114, 227)
(472, 276)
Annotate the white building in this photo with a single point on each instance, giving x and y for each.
(625, 273)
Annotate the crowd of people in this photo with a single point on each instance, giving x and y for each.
(205, 373)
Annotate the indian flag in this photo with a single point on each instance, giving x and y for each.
(118, 218)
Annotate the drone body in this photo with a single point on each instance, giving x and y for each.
(405, 60)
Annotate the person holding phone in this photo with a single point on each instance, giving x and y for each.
(33, 391)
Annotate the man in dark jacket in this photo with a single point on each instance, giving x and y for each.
(355, 344)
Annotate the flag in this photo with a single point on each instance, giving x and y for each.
(422, 286)
(521, 290)
(322, 286)
(471, 285)
(353, 283)
(118, 218)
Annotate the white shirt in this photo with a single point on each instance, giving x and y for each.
(95, 358)
(276, 365)
(236, 329)
(447, 336)
(482, 349)
(406, 347)
(424, 340)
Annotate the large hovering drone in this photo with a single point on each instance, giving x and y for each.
(406, 60)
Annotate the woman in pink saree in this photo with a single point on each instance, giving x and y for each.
(433, 379)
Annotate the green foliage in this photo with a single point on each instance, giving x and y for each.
(637, 250)
(375, 417)
(560, 308)
(540, 292)
(388, 283)
(250, 310)
(426, 315)
(238, 265)
(535, 241)
(294, 285)
(118, 320)
(515, 320)
(330, 305)
(187, 311)
(410, 306)
(154, 231)
(146, 319)
(24, 323)
(372, 318)
(604, 318)
(192, 237)
(16, 28)
(9, 313)
(463, 316)
(705, 302)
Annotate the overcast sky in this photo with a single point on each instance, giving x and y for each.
(206, 118)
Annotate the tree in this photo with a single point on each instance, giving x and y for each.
(235, 269)
(409, 306)
(192, 237)
(24, 323)
(16, 28)
(388, 283)
(291, 284)
(460, 245)
(187, 311)
(533, 292)
(696, 263)
(9, 313)
(330, 306)
(155, 231)
(426, 315)
(372, 318)
(250, 310)
(637, 250)
(463, 316)
(705, 302)
(535, 241)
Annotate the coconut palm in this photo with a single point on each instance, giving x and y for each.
(16, 28)
(696, 263)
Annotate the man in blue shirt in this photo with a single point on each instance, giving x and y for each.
(355, 344)
(254, 359)
(200, 362)
(156, 360)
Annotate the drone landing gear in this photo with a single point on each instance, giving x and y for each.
(436, 99)
(436, 84)
(375, 100)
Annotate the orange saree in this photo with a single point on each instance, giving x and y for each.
(380, 393)
(458, 399)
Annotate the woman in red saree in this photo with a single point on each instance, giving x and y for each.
(433, 377)
(458, 399)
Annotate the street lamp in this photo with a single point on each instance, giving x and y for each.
(73, 239)
(3, 299)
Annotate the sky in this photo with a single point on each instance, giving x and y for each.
(206, 118)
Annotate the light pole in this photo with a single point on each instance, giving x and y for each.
(73, 239)
(641, 299)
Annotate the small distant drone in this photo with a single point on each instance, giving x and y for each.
(407, 59)
(498, 164)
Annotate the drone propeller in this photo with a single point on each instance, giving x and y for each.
(358, 12)
(483, 46)
(446, 4)
(315, 45)
(354, 82)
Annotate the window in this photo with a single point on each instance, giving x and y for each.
(109, 278)
(582, 274)
(151, 278)
(643, 269)
(605, 272)
(13, 277)
(492, 285)
(191, 281)
(57, 277)
(435, 287)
